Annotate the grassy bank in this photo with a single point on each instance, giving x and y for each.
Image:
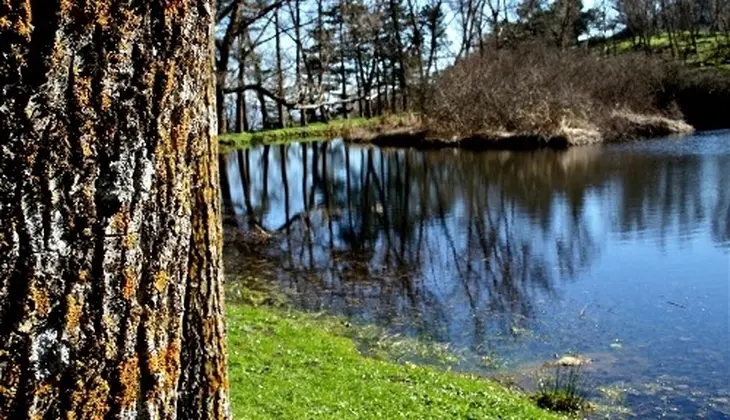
(621, 126)
(314, 131)
(711, 50)
(293, 365)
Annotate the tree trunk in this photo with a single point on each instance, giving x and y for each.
(241, 114)
(111, 294)
(343, 46)
(279, 71)
(258, 76)
(298, 77)
(379, 98)
(224, 52)
(395, 16)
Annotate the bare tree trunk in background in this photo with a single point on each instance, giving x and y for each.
(433, 28)
(359, 93)
(111, 294)
(394, 100)
(259, 79)
(241, 114)
(417, 30)
(320, 52)
(343, 75)
(224, 54)
(279, 71)
(669, 28)
(298, 76)
(379, 99)
(395, 16)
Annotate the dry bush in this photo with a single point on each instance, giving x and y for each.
(540, 90)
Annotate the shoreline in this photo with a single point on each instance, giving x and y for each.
(290, 364)
(406, 132)
(625, 126)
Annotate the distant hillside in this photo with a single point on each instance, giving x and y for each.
(704, 49)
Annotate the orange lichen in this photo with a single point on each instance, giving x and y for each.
(73, 313)
(65, 6)
(86, 149)
(129, 382)
(90, 401)
(130, 240)
(84, 276)
(180, 130)
(165, 362)
(82, 91)
(41, 301)
(176, 7)
(106, 101)
(170, 79)
(23, 25)
(160, 280)
(172, 364)
(9, 381)
(102, 14)
(215, 369)
(153, 363)
(119, 222)
(129, 283)
(43, 390)
(5, 23)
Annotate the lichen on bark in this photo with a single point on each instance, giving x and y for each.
(110, 278)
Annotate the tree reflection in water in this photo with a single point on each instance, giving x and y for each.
(454, 245)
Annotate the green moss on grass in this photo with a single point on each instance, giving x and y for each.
(292, 365)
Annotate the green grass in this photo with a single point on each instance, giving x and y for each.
(288, 365)
(712, 51)
(314, 131)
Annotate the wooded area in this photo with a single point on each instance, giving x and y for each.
(282, 63)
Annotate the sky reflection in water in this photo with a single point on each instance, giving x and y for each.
(620, 252)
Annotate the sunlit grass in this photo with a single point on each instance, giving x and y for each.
(290, 365)
(712, 50)
(313, 131)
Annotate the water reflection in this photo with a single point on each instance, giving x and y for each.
(492, 251)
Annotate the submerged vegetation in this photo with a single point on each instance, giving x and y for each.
(293, 365)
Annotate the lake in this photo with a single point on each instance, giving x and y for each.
(618, 253)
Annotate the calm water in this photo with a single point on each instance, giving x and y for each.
(620, 253)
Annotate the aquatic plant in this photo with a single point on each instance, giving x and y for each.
(565, 390)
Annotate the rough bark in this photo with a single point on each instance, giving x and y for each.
(111, 302)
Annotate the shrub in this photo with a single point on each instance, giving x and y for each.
(536, 89)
